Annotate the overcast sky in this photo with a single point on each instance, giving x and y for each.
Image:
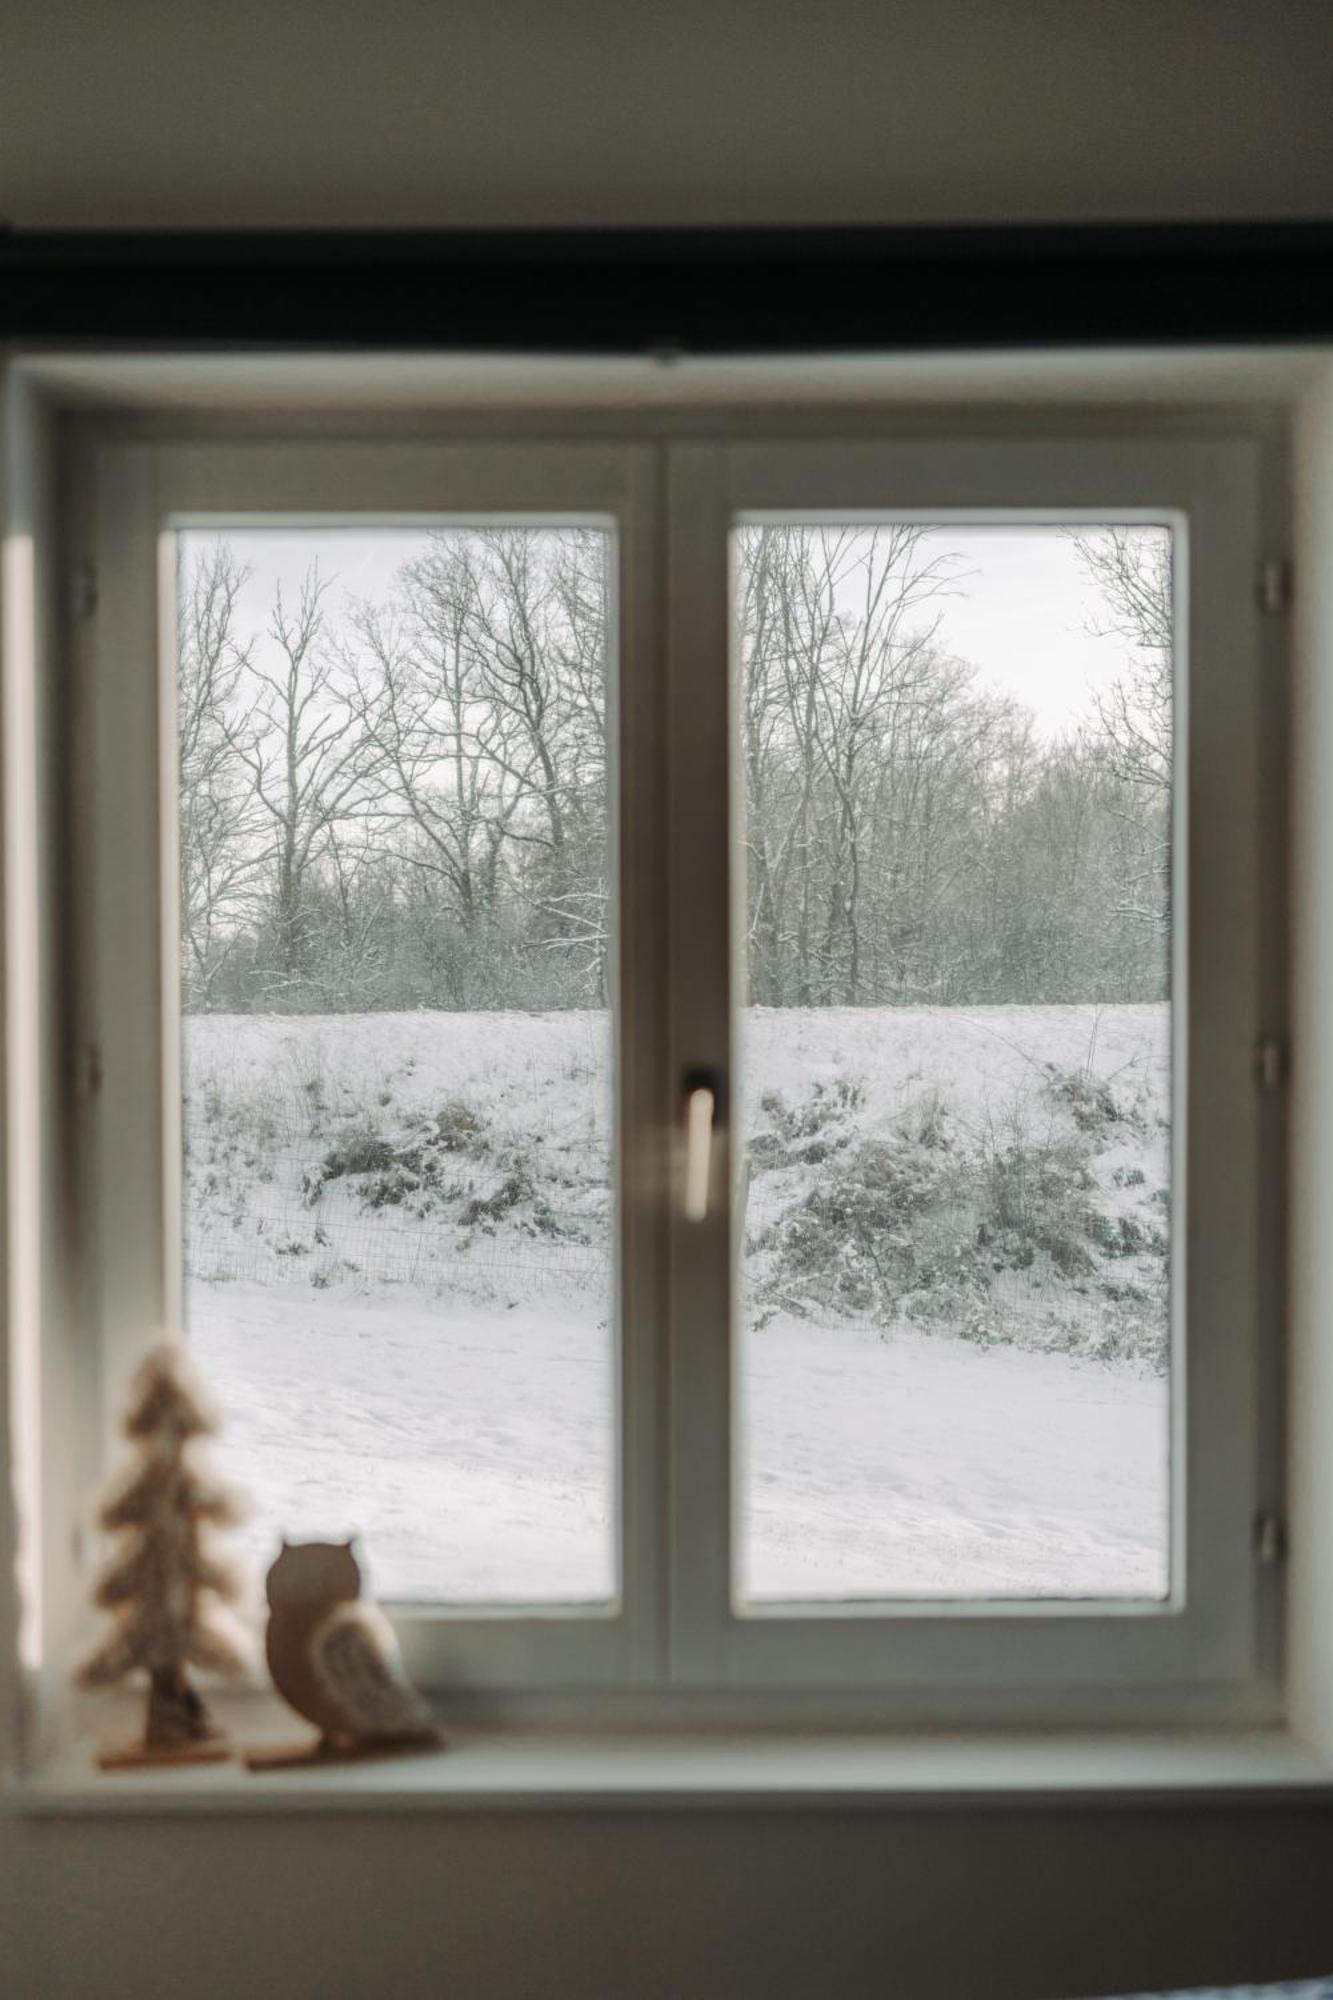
(1018, 608)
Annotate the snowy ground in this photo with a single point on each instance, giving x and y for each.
(443, 1387)
(925, 1467)
(471, 1450)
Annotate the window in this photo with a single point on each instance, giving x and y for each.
(398, 939)
(676, 1020)
(956, 1052)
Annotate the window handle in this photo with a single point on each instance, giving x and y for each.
(702, 1093)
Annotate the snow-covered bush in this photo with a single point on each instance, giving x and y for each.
(417, 1169)
(1091, 1101)
(997, 1231)
(875, 1224)
(970, 1175)
(1034, 1199)
(806, 1133)
(459, 1126)
(359, 1151)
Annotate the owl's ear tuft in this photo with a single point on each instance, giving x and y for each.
(285, 1544)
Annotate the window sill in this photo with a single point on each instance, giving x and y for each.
(555, 1769)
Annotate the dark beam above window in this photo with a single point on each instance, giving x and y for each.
(696, 291)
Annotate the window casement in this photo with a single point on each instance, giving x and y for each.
(1204, 1627)
(673, 504)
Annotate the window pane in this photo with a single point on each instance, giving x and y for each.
(397, 944)
(953, 1206)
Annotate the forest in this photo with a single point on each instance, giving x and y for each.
(402, 801)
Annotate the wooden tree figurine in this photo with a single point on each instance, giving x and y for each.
(165, 1587)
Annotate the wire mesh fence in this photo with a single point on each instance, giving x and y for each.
(273, 1235)
(277, 1236)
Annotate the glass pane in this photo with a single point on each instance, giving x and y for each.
(954, 1202)
(397, 943)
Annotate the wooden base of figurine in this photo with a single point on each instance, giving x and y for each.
(141, 1756)
(318, 1751)
(177, 1729)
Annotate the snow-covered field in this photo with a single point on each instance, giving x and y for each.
(926, 1467)
(398, 1247)
(469, 1448)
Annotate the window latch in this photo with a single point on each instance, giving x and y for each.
(1272, 1062)
(703, 1094)
(1270, 1538)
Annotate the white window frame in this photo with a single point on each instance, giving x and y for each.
(675, 502)
(142, 495)
(1207, 1629)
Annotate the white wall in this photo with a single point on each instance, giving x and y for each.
(500, 111)
(172, 112)
(856, 1906)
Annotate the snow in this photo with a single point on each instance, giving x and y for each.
(978, 1060)
(471, 1451)
(447, 1392)
(924, 1467)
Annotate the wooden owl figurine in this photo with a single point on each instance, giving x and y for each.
(334, 1657)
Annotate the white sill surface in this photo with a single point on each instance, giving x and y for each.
(535, 1769)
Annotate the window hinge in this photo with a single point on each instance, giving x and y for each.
(1272, 1062)
(1270, 1538)
(1277, 584)
(90, 1069)
(83, 591)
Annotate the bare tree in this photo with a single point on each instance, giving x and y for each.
(299, 737)
(479, 690)
(420, 704)
(838, 656)
(535, 639)
(1132, 572)
(534, 675)
(577, 913)
(218, 826)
